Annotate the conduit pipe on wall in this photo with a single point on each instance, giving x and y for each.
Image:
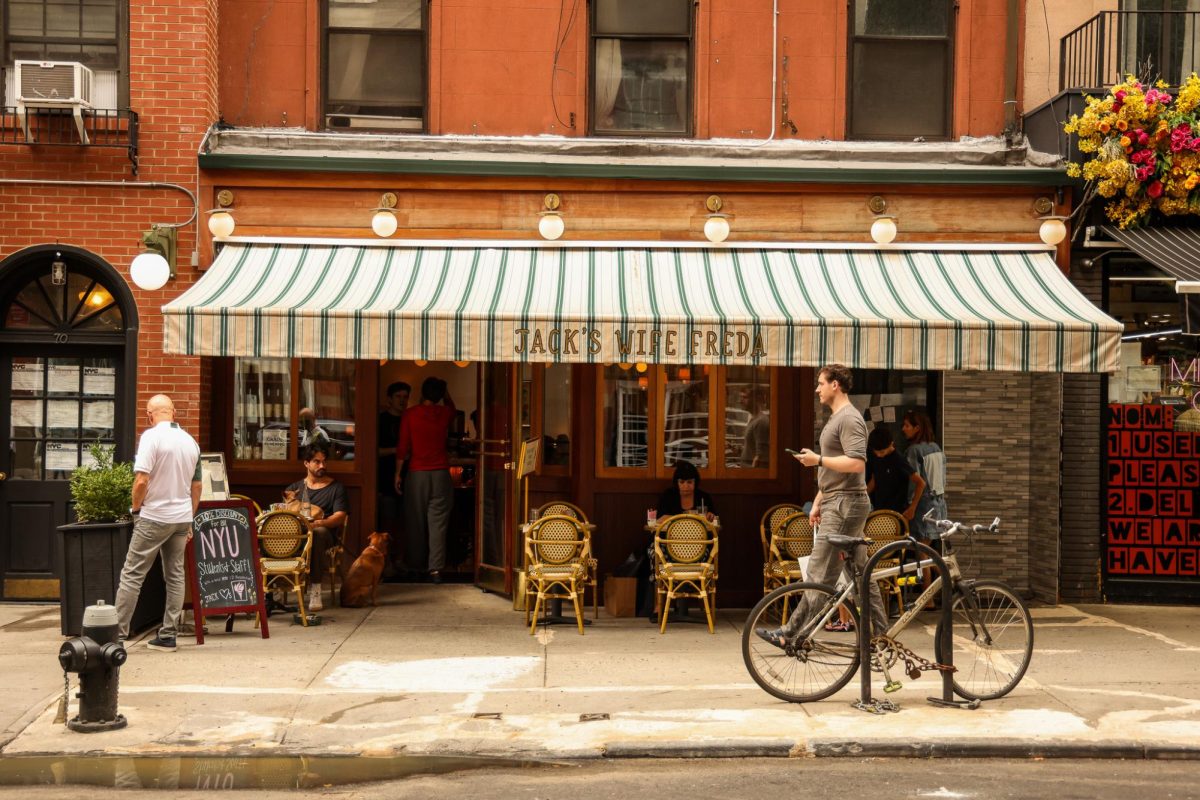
(118, 185)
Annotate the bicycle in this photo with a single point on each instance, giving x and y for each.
(992, 632)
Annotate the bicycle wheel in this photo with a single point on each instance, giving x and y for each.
(992, 643)
(814, 666)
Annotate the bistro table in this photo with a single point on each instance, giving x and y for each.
(682, 604)
(555, 615)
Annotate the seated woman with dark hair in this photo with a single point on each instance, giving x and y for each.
(684, 496)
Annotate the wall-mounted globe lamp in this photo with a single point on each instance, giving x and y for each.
(384, 223)
(155, 265)
(1054, 227)
(550, 222)
(716, 224)
(220, 219)
(883, 227)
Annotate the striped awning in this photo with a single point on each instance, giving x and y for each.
(782, 306)
(1172, 249)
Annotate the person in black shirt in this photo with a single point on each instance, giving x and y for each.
(387, 508)
(685, 495)
(319, 489)
(890, 477)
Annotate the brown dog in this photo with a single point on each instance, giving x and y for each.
(361, 583)
(310, 512)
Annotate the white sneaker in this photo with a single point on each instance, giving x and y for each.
(313, 601)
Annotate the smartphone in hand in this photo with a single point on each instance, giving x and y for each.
(790, 451)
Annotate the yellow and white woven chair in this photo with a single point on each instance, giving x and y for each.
(775, 574)
(556, 551)
(593, 566)
(285, 543)
(685, 555)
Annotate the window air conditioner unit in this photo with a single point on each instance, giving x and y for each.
(335, 122)
(53, 84)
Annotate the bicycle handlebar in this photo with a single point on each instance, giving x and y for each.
(950, 527)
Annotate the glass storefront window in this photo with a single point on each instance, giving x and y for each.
(327, 388)
(748, 417)
(884, 396)
(626, 416)
(262, 408)
(685, 415)
(556, 415)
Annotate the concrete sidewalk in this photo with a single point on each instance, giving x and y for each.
(449, 670)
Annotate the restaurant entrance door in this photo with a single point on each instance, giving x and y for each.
(495, 509)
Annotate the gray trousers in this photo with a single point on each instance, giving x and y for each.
(845, 514)
(427, 499)
(149, 539)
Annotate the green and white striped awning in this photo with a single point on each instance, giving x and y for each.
(1001, 309)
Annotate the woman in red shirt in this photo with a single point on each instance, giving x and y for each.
(428, 492)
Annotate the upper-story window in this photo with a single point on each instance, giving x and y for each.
(92, 32)
(375, 64)
(901, 69)
(642, 67)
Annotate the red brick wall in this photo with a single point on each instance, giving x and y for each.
(172, 55)
(491, 62)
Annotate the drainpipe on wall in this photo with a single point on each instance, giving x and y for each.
(1011, 52)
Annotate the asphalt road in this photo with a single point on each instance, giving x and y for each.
(714, 779)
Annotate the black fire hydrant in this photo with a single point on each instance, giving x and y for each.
(97, 657)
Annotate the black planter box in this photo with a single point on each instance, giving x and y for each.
(92, 555)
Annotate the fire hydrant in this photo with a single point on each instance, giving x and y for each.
(97, 657)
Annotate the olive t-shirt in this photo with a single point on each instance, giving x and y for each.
(845, 434)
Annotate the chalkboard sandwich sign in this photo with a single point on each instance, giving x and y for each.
(222, 561)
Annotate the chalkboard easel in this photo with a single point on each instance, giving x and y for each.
(222, 563)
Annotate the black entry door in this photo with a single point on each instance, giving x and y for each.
(68, 348)
(58, 402)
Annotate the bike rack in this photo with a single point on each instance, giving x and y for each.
(943, 646)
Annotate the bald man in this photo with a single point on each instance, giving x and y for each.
(166, 494)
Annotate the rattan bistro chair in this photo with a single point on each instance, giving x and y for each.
(556, 551)
(286, 546)
(572, 510)
(772, 519)
(685, 555)
(793, 540)
(884, 527)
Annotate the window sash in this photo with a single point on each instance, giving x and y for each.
(91, 48)
(656, 466)
(370, 88)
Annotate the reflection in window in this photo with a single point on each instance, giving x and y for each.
(327, 405)
(375, 55)
(262, 402)
(625, 416)
(747, 417)
(685, 415)
(556, 415)
(641, 66)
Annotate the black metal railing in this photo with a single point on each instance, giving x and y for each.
(1151, 45)
(58, 127)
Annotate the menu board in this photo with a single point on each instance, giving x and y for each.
(222, 561)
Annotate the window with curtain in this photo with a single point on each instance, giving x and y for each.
(92, 32)
(375, 64)
(717, 418)
(641, 67)
(901, 69)
(1158, 42)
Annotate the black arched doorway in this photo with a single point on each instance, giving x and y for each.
(68, 357)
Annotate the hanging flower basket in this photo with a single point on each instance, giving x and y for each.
(1144, 150)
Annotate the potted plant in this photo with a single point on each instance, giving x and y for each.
(92, 550)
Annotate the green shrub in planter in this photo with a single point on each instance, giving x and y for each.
(102, 491)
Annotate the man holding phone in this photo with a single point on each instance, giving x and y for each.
(841, 505)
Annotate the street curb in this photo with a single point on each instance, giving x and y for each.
(1003, 748)
(779, 748)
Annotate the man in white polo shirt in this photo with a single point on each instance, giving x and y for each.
(166, 494)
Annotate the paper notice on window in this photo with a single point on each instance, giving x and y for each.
(26, 414)
(63, 414)
(98, 415)
(875, 413)
(889, 414)
(99, 380)
(274, 444)
(64, 378)
(85, 458)
(891, 399)
(62, 456)
(27, 378)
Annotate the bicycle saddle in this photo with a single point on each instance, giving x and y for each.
(846, 542)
